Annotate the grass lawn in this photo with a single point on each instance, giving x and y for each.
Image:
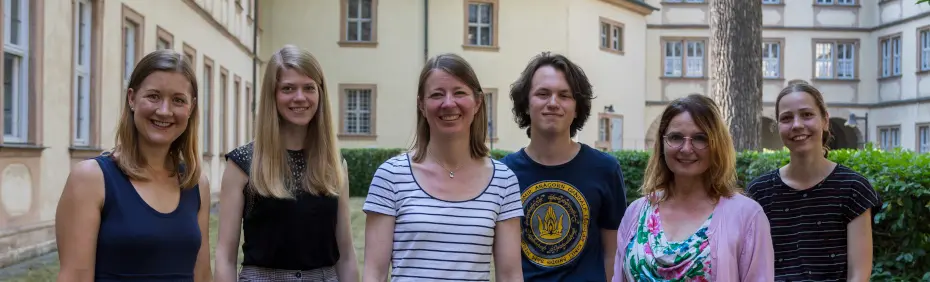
(46, 268)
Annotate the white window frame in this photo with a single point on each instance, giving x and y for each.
(835, 60)
(479, 25)
(925, 49)
(771, 1)
(131, 34)
(19, 72)
(694, 58)
(82, 68)
(354, 98)
(207, 112)
(891, 56)
(359, 20)
(771, 59)
(890, 137)
(923, 138)
(605, 31)
(674, 58)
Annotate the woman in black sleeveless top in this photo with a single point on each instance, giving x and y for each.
(141, 211)
(288, 188)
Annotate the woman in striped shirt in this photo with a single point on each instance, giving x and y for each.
(443, 210)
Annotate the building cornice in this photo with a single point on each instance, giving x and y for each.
(803, 28)
(636, 6)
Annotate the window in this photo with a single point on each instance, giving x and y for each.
(890, 56)
(190, 54)
(481, 23)
(490, 102)
(206, 100)
(82, 66)
(836, 2)
(923, 49)
(248, 111)
(16, 70)
(923, 138)
(359, 20)
(611, 36)
(164, 39)
(889, 137)
(357, 107)
(771, 59)
(224, 105)
(609, 131)
(684, 58)
(835, 60)
(771, 1)
(237, 107)
(132, 43)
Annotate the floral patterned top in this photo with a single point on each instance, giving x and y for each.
(651, 257)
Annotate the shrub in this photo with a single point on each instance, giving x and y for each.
(901, 232)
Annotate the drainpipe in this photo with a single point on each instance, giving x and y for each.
(425, 30)
(255, 90)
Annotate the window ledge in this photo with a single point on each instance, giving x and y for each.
(775, 5)
(21, 150)
(208, 155)
(84, 152)
(855, 80)
(666, 3)
(683, 78)
(837, 6)
(361, 137)
(611, 50)
(889, 78)
(360, 44)
(922, 72)
(486, 48)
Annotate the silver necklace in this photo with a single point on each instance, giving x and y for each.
(451, 172)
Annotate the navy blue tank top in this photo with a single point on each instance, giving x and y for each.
(138, 243)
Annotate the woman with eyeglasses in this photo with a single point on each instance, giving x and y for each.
(692, 224)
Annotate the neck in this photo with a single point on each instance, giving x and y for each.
(294, 136)
(156, 158)
(551, 150)
(688, 189)
(807, 165)
(450, 151)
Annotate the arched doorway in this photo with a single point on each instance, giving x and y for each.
(770, 138)
(843, 137)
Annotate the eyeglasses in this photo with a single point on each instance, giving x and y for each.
(677, 141)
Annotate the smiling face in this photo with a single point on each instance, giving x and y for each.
(448, 104)
(801, 124)
(552, 104)
(297, 97)
(686, 147)
(161, 107)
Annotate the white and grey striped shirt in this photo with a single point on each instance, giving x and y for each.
(436, 239)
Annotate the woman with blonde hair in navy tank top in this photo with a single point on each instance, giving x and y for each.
(141, 210)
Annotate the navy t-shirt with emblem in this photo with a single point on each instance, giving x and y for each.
(566, 206)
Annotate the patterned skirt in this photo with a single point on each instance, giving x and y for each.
(260, 274)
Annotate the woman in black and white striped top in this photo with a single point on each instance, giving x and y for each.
(445, 209)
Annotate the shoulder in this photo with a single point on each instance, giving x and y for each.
(762, 182)
(595, 158)
(512, 159)
(240, 153)
(393, 166)
(857, 180)
(741, 205)
(85, 182)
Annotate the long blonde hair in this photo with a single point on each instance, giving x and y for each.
(269, 170)
(478, 132)
(720, 177)
(183, 151)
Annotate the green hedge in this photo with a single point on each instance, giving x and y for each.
(902, 178)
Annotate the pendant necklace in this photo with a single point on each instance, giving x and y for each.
(451, 173)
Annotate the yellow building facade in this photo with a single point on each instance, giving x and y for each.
(66, 64)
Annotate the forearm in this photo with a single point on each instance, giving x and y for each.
(225, 267)
(508, 276)
(347, 267)
(375, 272)
(609, 264)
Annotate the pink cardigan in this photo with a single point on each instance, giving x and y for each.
(741, 243)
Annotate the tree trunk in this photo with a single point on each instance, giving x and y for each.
(736, 68)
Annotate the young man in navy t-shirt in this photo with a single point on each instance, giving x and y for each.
(573, 195)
